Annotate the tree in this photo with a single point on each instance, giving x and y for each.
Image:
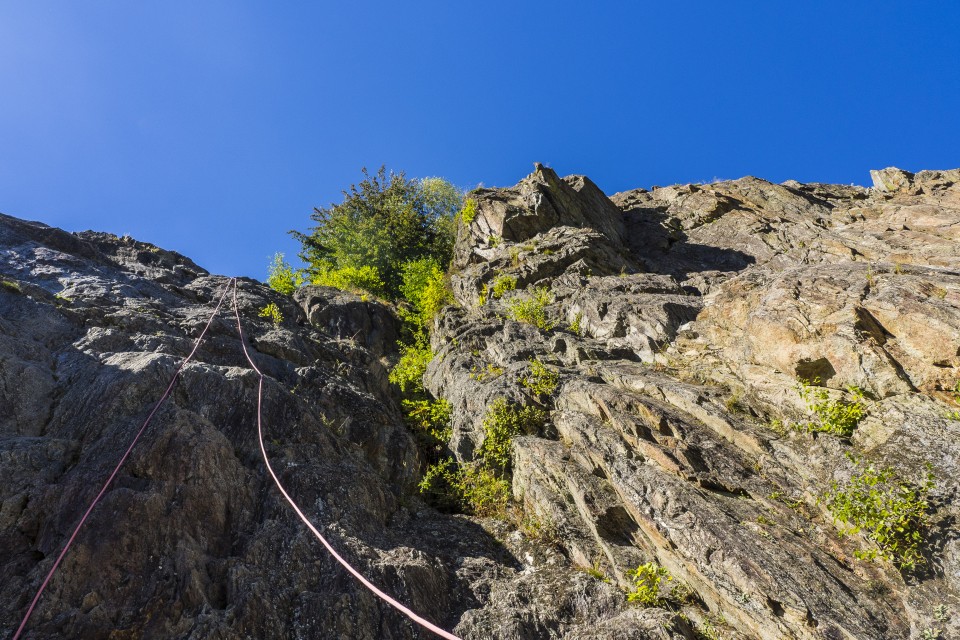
(383, 223)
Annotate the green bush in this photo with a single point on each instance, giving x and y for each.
(281, 277)
(408, 372)
(541, 381)
(530, 307)
(480, 488)
(837, 417)
(470, 488)
(648, 580)
(890, 512)
(356, 279)
(425, 287)
(469, 212)
(272, 311)
(383, 222)
(503, 284)
(429, 419)
(576, 327)
(502, 423)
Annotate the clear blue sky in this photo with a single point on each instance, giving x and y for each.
(213, 127)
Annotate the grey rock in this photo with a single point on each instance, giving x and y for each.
(678, 320)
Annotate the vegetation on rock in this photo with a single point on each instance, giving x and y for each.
(272, 311)
(837, 417)
(282, 277)
(892, 513)
(530, 307)
(648, 581)
(541, 381)
(502, 423)
(383, 223)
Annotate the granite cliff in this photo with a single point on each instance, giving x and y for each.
(703, 344)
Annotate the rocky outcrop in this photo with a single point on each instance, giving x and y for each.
(192, 540)
(680, 344)
(678, 322)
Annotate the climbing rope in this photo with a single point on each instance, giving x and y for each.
(123, 459)
(369, 585)
(346, 565)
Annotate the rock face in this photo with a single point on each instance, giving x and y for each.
(678, 320)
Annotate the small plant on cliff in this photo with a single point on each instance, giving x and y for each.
(469, 212)
(502, 423)
(281, 277)
(502, 284)
(272, 311)
(407, 374)
(837, 417)
(892, 513)
(470, 488)
(576, 326)
(489, 372)
(530, 307)
(541, 381)
(429, 420)
(648, 581)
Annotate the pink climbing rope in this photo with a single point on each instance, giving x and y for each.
(346, 565)
(106, 484)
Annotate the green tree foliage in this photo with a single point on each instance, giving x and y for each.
(424, 286)
(383, 222)
(282, 277)
(892, 513)
(531, 307)
(349, 278)
(838, 417)
(502, 423)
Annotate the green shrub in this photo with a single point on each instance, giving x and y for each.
(383, 222)
(429, 419)
(576, 327)
(272, 311)
(531, 308)
(470, 488)
(648, 580)
(480, 488)
(281, 277)
(503, 284)
(469, 212)
(408, 372)
(837, 417)
(356, 279)
(425, 287)
(11, 285)
(541, 381)
(502, 422)
(489, 372)
(890, 512)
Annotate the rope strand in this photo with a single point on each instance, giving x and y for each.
(123, 459)
(356, 574)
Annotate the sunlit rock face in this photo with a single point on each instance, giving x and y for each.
(680, 322)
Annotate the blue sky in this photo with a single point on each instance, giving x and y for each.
(213, 127)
